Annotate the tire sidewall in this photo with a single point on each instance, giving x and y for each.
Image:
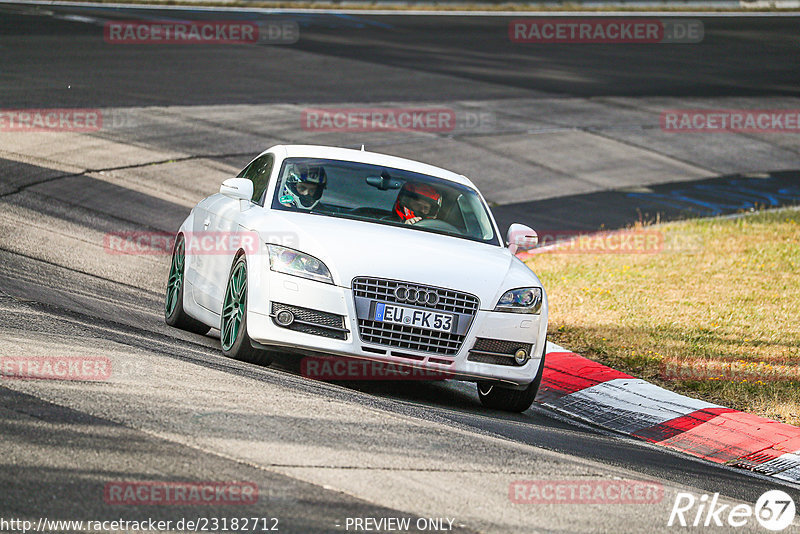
(511, 400)
(173, 318)
(242, 341)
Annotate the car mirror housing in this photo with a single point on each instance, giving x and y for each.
(237, 188)
(521, 237)
(384, 182)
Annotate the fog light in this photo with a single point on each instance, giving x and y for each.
(284, 318)
(521, 356)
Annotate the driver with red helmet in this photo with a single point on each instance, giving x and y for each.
(417, 201)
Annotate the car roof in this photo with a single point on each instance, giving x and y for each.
(374, 158)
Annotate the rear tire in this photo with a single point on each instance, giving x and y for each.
(173, 301)
(511, 400)
(235, 342)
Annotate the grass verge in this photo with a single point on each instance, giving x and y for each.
(714, 313)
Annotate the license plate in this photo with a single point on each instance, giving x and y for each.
(389, 313)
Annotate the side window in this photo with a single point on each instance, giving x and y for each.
(258, 172)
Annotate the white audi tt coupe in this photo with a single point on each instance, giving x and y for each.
(321, 251)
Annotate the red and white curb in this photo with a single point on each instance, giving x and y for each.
(603, 396)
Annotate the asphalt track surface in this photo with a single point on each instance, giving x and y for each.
(739, 57)
(176, 409)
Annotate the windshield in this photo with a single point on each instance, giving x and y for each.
(383, 195)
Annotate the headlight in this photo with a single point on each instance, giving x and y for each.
(288, 261)
(524, 300)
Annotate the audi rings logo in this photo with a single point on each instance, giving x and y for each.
(423, 297)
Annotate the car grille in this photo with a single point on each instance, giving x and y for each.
(383, 290)
(315, 322)
(409, 337)
(496, 351)
(412, 337)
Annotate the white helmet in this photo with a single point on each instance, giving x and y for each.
(300, 173)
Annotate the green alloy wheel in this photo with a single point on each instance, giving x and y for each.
(233, 321)
(173, 302)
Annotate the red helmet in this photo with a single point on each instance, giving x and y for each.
(417, 191)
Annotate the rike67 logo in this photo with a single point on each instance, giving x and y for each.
(774, 510)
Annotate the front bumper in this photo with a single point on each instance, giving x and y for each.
(344, 339)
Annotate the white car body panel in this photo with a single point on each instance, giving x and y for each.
(353, 248)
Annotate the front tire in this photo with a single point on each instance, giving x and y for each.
(173, 301)
(233, 320)
(511, 400)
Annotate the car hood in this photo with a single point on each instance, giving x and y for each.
(356, 248)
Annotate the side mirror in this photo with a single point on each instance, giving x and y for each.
(237, 188)
(522, 237)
